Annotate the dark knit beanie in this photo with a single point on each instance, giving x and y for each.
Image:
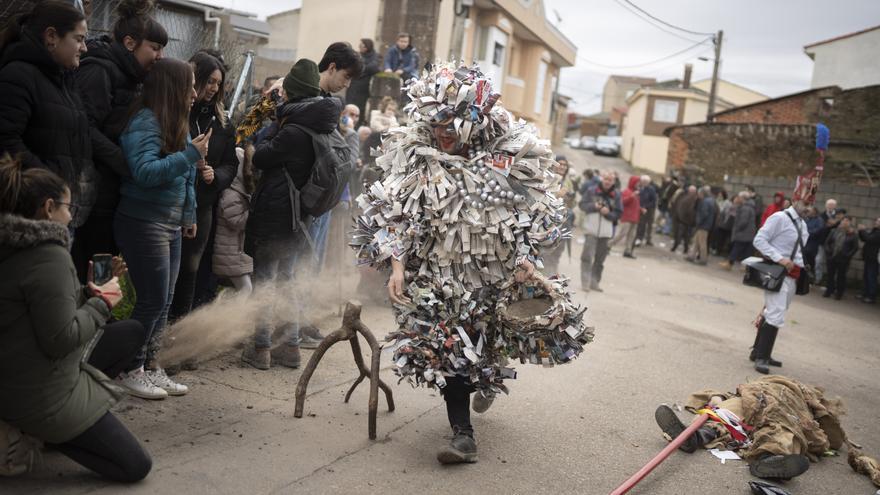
(302, 81)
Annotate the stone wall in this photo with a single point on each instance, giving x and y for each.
(799, 108)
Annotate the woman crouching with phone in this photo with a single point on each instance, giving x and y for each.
(57, 356)
(157, 208)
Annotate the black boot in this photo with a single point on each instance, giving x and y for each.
(764, 347)
(668, 421)
(752, 355)
(779, 466)
(461, 449)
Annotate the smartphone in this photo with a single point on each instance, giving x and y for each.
(102, 268)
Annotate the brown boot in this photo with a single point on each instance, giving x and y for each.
(726, 265)
(258, 357)
(286, 355)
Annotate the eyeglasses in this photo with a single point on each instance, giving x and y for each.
(73, 207)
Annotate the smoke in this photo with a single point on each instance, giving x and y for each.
(215, 328)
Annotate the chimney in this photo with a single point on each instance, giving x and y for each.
(686, 83)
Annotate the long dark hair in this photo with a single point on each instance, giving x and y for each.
(50, 13)
(203, 66)
(168, 93)
(134, 19)
(23, 192)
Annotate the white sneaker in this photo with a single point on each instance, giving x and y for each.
(159, 378)
(136, 383)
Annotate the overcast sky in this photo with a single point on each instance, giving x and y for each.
(762, 48)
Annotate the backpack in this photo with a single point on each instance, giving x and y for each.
(330, 173)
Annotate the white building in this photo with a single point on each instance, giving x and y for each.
(848, 61)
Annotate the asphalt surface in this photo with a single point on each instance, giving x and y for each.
(664, 328)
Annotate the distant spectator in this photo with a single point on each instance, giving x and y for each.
(759, 202)
(743, 231)
(229, 260)
(648, 203)
(602, 207)
(778, 205)
(338, 67)
(871, 238)
(591, 178)
(684, 215)
(267, 85)
(359, 91)
(705, 219)
(840, 246)
(830, 219)
(385, 117)
(401, 58)
(629, 220)
(811, 248)
(568, 192)
(719, 237)
(664, 202)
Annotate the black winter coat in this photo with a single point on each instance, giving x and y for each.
(221, 153)
(287, 148)
(43, 121)
(109, 79)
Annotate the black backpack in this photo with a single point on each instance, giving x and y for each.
(330, 173)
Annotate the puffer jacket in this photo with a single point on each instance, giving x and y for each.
(46, 387)
(744, 228)
(631, 201)
(596, 224)
(285, 159)
(161, 187)
(108, 79)
(229, 258)
(42, 119)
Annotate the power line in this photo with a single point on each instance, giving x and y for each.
(636, 66)
(635, 13)
(673, 26)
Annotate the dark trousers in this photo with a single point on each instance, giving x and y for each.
(107, 447)
(152, 253)
(836, 274)
(191, 252)
(870, 278)
(118, 347)
(93, 237)
(682, 235)
(457, 394)
(739, 250)
(646, 225)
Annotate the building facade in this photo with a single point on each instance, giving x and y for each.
(618, 89)
(848, 61)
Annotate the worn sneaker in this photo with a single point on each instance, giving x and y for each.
(672, 427)
(461, 449)
(258, 357)
(137, 383)
(482, 403)
(286, 355)
(160, 379)
(17, 451)
(307, 342)
(311, 331)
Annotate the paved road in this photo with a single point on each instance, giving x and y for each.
(665, 328)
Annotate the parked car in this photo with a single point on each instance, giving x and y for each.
(587, 143)
(573, 142)
(607, 145)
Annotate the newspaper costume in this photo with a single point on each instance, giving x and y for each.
(461, 225)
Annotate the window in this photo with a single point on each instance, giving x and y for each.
(498, 55)
(539, 87)
(665, 111)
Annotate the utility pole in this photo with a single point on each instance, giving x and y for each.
(713, 92)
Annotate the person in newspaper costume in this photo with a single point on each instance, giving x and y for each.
(465, 204)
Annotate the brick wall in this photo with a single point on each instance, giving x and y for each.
(800, 108)
(861, 202)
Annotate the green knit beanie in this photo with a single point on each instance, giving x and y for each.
(302, 81)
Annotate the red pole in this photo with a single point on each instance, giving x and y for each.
(673, 445)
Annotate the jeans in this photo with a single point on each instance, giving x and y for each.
(318, 231)
(870, 276)
(191, 252)
(152, 253)
(739, 250)
(593, 259)
(274, 263)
